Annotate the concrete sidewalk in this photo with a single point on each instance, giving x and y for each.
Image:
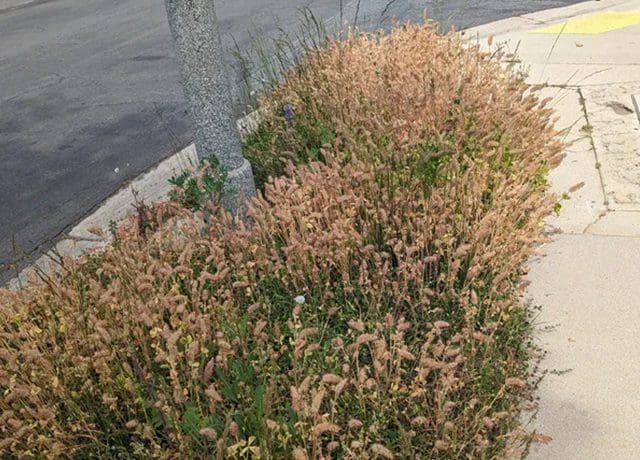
(587, 279)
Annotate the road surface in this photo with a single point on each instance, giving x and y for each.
(90, 97)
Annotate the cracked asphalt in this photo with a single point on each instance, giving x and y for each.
(90, 97)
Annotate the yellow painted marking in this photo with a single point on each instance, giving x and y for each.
(594, 24)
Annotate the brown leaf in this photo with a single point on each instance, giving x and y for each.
(541, 438)
(576, 187)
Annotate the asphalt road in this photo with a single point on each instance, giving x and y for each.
(90, 97)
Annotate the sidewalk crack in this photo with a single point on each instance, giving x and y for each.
(598, 219)
(583, 105)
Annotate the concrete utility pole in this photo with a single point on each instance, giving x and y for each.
(194, 28)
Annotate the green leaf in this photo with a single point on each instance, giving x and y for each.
(191, 420)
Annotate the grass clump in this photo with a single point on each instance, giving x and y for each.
(371, 310)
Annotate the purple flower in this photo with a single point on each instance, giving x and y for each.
(288, 113)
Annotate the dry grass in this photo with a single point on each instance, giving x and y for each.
(371, 310)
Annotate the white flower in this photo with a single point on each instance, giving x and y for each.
(300, 300)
